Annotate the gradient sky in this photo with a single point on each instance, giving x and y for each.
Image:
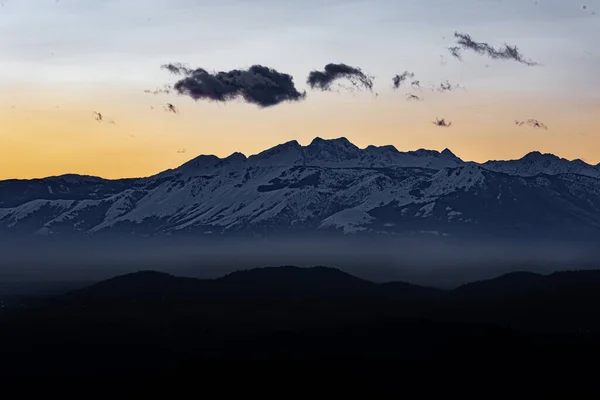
(62, 60)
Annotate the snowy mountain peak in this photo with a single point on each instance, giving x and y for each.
(535, 163)
(339, 142)
(329, 185)
(202, 161)
(75, 178)
(424, 153)
(199, 165)
(536, 155)
(447, 153)
(381, 149)
(326, 152)
(285, 154)
(340, 146)
(533, 154)
(236, 157)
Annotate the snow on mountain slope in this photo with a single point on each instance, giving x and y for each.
(389, 155)
(283, 155)
(14, 192)
(449, 180)
(536, 163)
(329, 185)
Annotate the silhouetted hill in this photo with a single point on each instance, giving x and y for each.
(19, 290)
(511, 285)
(298, 283)
(412, 293)
(154, 321)
(560, 302)
(271, 284)
(564, 300)
(137, 285)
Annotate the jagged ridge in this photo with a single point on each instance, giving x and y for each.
(326, 186)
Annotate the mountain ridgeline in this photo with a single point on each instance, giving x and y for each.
(328, 187)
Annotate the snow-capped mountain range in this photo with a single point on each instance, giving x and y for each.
(328, 186)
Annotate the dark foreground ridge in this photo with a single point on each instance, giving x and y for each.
(150, 322)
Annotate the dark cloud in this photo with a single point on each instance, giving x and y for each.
(507, 52)
(442, 123)
(100, 118)
(456, 52)
(258, 85)
(177, 68)
(398, 80)
(171, 108)
(533, 123)
(323, 80)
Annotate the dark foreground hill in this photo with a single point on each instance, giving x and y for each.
(150, 322)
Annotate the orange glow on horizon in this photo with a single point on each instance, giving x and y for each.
(52, 135)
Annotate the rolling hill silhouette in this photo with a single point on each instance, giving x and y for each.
(156, 322)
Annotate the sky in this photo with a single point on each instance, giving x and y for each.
(62, 60)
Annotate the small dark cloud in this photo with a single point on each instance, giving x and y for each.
(164, 90)
(323, 80)
(177, 68)
(259, 85)
(506, 52)
(456, 52)
(412, 97)
(464, 41)
(442, 123)
(171, 108)
(398, 80)
(98, 116)
(446, 86)
(532, 123)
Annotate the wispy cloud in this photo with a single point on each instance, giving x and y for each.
(323, 80)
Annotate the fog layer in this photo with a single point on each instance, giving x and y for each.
(427, 261)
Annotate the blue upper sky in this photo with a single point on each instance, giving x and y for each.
(114, 40)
